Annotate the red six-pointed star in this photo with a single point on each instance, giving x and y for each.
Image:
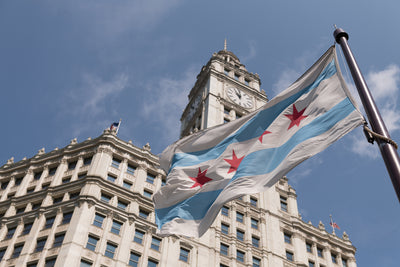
(296, 117)
(201, 179)
(234, 162)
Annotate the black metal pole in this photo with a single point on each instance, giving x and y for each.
(388, 151)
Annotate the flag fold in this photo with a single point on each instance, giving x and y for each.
(249, 155)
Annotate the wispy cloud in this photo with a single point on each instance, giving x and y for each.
(91, 103)
(169, 97)
(252, 52)
(384, 86)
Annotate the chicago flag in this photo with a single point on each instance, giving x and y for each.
(249, 155)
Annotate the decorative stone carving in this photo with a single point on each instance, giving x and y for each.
(147, 147)
(73, 141)
(321, 226)
(345, 236)
(41, 151)
(10, 161)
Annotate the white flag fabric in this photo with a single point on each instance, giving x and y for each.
(249, 155)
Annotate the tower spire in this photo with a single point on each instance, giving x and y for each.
(225, 45)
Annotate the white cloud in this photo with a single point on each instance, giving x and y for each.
(251, 53)
(169, 97)
(384, 86)
(92, 103)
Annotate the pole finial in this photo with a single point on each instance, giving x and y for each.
(225, 46)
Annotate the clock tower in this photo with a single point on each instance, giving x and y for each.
(224, 91)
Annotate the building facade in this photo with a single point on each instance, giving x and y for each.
(89, 203)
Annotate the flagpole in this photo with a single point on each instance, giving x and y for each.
(388, 151)
(333, 228)
(119, 124)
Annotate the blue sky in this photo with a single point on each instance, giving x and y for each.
(70, 68)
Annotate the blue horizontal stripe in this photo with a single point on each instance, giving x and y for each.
(256, 163)
(252, 129)
(265, 161)
(193, 208)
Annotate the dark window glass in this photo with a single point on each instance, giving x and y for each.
(115, 163)
(52, 171)
(40, 244)
(17, 250)
(134, 259)
(150, 178)
(110, 250)
(131, 170)
(288, 238)
(255, 241)
(98, 220)
(289, 256)
(66, 217)
(10, 232)
(49, 222)
(116, 227)
(224, 249)
(92, 243)
(72, 165)
(254, 223)
(184, 255)
(239, 217)
(58, 240)
(224, 228)
(139, 235)
(87, 161)
(37, 175)
(27, 228)
(240, 235)
(240, 255)
(225, 211)
(155, 243)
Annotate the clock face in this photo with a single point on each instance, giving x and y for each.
(240, 97)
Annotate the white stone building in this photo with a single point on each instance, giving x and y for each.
(89, 203)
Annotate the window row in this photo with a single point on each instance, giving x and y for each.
(240, 217)
(240, 255)
(66, 218)
(240, 235)
(236, 76)
(38, 174)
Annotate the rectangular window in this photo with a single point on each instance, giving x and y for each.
(72, 165)
(40, 244)
(92, 243)
(98, 220)
(147, 194)
(49, 222)
(236, 76)
(284, 205)
(115, 163)
(139, 235)
(10, 232)
(66, 180)
(32, 264)
(37, 175)
(239, 217)
(4, 184)
(30, 190)
(74, 195)
(240, 255)
(85, 263)
(116, 227)
(50, 262)
(111, 178)
(152, 263)
(27, 228)
(150, 178)
(122, 205)
(240, 235)
(311, 264)
(57, 199)
(289, 255)
(58, 240)
(333, 257)
(184, 254)
(36, 205)
(45, 186)
(256, 262)
(226, 72)
(247, 82)
(131, 170)
(163, 182)
(224, 228)
(18, 181)
(288, 238)
(344, 262)
(81, 175)
(66, 217)
(155, 243)
(87, 161)
(309, 247)
(17, 250)
(226, 111)
(105, 198)
(127, 184)
(255, 241)
(253, 202)
(20, 210)
(225, 211)
(52, 171)
(134, 259)
(319, 252)
(254, 223)
(224, 249)
(144, 214)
